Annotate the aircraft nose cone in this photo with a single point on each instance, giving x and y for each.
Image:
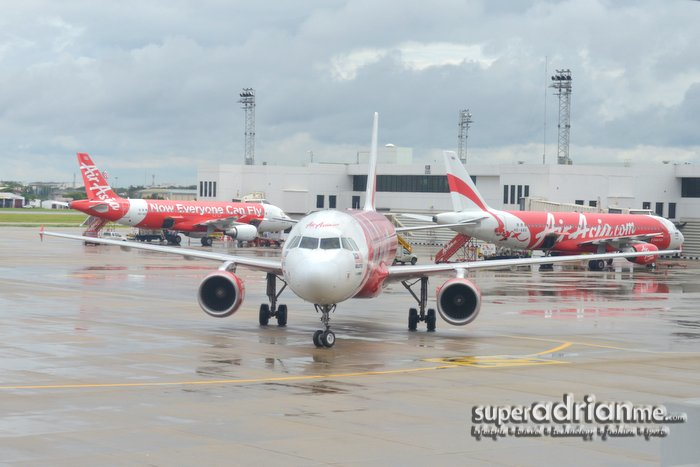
(320, 280)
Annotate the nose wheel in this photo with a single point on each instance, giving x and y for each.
(324, 337)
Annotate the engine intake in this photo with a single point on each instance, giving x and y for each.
(458, 301)
(220, 294)
(244, 233)
(643, 247)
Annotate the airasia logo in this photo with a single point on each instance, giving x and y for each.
(320, 225)
(102, 192)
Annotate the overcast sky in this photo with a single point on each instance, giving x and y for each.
(152, 87)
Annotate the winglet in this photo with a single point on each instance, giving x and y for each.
(96, 186)
(372, 173)
(465, 196)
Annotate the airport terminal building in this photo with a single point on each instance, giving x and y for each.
(669, 190)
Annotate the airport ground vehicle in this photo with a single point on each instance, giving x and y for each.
(113, 235)
(404, 256)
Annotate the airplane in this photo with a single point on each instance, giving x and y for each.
(556, 233)
(331, 256)
(196, 219)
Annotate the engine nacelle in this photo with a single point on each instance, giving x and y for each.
(643, 247)
(220, 294)
(458, 301)
(244, 232)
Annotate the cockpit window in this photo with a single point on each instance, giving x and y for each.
(349, 244)
(332, 243)
(294, 242)
(310, 243)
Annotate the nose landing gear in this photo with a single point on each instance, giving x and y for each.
(325, 337)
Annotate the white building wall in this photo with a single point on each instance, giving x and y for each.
(295, 188)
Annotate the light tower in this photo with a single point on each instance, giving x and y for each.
(248, 101)
(562, 83)
(465, 119)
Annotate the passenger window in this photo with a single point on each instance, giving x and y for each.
(310, 243)
(295, 242)
(330, 243)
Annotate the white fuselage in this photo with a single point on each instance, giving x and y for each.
(328, 259)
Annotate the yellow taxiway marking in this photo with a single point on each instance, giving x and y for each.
(599, 346)
(497, 361)
(502, 361)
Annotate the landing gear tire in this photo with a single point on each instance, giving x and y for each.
(430, 320)
(207, 241)
(173, 239)
(317, 338)
(282, 316)
(596, 265)
(412, 319)
(328, 338)
(264, 316)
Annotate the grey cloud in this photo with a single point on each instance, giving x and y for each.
(159, 81)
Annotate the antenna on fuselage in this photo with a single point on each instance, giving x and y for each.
(372, 173)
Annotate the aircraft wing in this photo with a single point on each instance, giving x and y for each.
(223, 223)
(418, 217)
(417, 271)
(469, 221)
(227, 222)
(427, 227)
(266, 265)
(621, 241)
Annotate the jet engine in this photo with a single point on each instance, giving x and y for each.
(458, 301)
(220, 294)
(643, 247)
(244, 233)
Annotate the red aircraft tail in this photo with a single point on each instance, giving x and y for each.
(96, 186)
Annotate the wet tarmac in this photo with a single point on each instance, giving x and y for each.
(106, 359)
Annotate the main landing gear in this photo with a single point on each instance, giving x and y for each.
(420, 314)
(173, 238)
(599, 264)
(207, 241)
(271, 310)
(326, 337)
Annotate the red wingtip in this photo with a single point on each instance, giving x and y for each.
(41, 233)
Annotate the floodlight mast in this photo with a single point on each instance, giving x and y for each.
(561, 82)
(248, 101)
(465, 119)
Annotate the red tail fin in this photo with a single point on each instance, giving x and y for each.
(96, 187)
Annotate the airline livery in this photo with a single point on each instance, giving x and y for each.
(331, 256)
(198, 219)
(558, 233)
